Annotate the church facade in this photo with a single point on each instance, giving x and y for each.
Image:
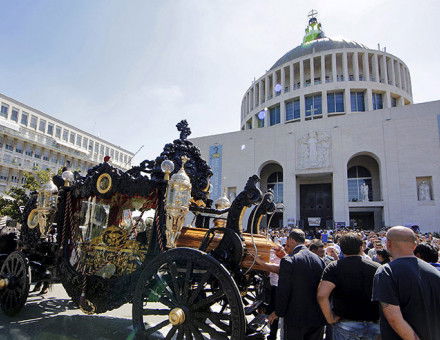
(332, 129)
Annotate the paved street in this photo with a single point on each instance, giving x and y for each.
(56, 317)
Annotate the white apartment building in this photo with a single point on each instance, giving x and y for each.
(332, 129)
(31, 139)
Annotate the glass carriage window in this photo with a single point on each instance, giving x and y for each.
(14, 114)
(24, 118)
(358, 175)
(274, 115)
(4, 110)
(275, 182)
(357, 101)
(313, 105)
(377, 101)
(93, 218)
(335, 102)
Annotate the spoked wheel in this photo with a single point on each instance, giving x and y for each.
(181, 295)
(15, 277)
(255, 293)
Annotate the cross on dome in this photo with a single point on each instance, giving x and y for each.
(312, 13)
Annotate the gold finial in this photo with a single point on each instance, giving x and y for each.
(184, 160)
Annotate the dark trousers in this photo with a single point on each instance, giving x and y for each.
(309, 333)
(270, 308)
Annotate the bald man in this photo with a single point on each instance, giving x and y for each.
(408, 290)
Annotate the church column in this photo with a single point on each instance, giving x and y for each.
(283, 79)
(289, 192)
(398, 75)
(347, 103)
(292, 76)
(301, 73)
(368, 100)
(267, 88)
(345, 65)
(282, 111)
(355, 64)
(324, 103)
(393, 73)
(387, 102)
(366, 67)
(404, 84)
(302, 104)
(323, 69)
(384, 67)
(375, 68)
(334, 70)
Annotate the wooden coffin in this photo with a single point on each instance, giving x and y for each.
(192, 237)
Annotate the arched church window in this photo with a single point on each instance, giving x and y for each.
(275, 182)
(359, 184)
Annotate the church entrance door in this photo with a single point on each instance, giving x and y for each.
(316, 201)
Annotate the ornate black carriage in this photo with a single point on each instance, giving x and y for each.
(115, 237)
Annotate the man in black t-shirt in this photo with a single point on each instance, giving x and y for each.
(350, 282)
(408, 290)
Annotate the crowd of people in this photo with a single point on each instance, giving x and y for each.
(354, 284)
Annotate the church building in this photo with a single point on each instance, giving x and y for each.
(332, 129)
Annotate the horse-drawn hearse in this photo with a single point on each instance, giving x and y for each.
(90, 233)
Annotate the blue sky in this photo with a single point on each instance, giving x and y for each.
(128, 71)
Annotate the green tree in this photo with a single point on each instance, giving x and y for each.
(35, 179)
(10, 207)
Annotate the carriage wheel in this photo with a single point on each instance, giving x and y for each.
(190, 288)
(15, 270)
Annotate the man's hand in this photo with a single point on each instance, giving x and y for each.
(280, 252)
(395, 318)
(272, 317)
(333, 319)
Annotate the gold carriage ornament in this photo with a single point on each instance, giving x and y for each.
(46, 205)
(177, 202)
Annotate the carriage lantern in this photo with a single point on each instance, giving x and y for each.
(46, 204)
(177, 203)
(68, 177)
(222, 203)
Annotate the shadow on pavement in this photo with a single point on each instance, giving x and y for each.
(39, 320)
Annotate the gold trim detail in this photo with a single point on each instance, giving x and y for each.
(32, 220)
(3, 283)
(104, 183)
(176, 316)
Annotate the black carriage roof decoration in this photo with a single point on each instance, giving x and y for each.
(147, 178)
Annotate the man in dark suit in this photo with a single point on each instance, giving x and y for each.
(299, 277)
